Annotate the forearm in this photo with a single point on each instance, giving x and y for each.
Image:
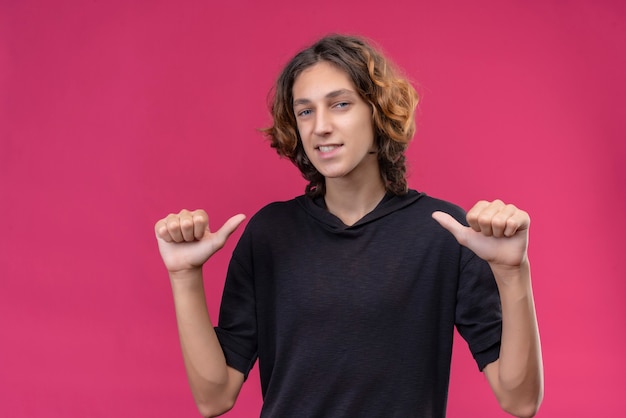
(210, 379)
(519, 384)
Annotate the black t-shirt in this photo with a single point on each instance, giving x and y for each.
(351, 321)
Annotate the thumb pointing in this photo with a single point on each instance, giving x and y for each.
(230, 226)
(452, 225)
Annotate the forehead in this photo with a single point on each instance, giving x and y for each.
(320, 79)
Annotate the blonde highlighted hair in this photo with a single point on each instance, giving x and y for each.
(377, 81)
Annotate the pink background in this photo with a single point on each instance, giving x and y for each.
(113, 114)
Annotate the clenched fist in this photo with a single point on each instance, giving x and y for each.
(186, 241)
(497, 232)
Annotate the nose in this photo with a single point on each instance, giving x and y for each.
(323, 123)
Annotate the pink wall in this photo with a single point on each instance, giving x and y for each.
(113, 114)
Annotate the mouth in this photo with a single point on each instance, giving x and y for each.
(327, 148)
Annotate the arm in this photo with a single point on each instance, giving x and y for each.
(498, 233)
(186, 243)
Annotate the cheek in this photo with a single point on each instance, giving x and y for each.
(365, 123)
(302, 130)
(367, 133)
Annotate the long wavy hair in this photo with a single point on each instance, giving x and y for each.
(378, 82)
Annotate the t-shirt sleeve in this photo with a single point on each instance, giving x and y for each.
(479, 312)
(237, 328)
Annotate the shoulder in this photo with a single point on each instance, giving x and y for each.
(274, 224)
(274, 214)
(426, 205)
(275, 209)
(456, 211)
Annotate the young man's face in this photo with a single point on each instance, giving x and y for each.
(334, 123)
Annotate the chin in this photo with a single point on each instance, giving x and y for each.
(333, 174)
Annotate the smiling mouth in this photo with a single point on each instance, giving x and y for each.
(327, 148)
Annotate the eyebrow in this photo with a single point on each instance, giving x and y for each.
(330, 95)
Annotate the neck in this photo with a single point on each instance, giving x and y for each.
(350, 202)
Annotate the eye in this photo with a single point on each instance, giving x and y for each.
(341, 105)
(304, 112)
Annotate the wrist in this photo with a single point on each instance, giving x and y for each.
(186, 275)
(511, 275)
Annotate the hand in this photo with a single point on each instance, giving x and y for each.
(186, 242)
(497, 233)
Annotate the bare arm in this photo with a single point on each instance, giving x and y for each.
(185, 243)
(498, 233)
(517, 376)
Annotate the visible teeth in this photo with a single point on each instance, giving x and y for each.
(327, 148)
